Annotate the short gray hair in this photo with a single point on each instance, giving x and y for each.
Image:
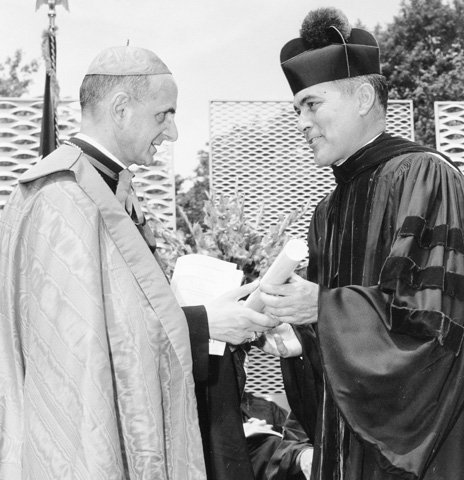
(95, 88)
(379, 82)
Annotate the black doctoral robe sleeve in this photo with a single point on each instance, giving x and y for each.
(197, 321)
(218, 398)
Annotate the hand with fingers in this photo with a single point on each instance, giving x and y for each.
(255, 426)
(281, 341)
(230, 321)
(294, 302)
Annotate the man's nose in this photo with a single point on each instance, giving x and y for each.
(304, 122)
(171, 134)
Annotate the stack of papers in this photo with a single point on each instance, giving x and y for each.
(198, 279)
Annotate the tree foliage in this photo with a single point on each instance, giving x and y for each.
(16, 75)
(422, 55)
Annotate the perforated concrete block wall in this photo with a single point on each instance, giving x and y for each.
(449, 130)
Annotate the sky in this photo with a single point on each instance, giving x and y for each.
(216, 49)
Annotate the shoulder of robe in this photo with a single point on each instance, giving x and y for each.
(413, 162)
(60, 160)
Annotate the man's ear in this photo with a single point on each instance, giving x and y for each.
(366, 95)
(119, 107)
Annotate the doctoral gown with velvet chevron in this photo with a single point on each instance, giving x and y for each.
(380, 387)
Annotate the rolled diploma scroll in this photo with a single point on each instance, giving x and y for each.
(279, 272)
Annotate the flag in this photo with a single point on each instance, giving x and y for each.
(49, 135)
(64, 3)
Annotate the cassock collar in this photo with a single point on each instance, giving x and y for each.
(102, 149)
(107, 165)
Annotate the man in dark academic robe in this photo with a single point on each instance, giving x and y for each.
(278, 445)
(378, 383)
(97, 355)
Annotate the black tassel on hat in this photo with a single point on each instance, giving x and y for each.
(328, 49)
(317, 30)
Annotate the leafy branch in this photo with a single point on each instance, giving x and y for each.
(227, 233)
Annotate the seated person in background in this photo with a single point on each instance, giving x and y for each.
(278, 446)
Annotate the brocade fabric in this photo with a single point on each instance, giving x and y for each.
(380, 389)
(95, 363)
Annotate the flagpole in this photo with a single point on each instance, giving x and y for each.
(49, 134)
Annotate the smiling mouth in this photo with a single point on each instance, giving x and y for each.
(312, 140)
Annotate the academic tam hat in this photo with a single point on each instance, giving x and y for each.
(127, 61)
(328, 49)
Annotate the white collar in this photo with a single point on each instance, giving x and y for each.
(102, 149)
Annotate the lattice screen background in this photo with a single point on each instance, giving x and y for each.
(155, 185)
(257, 146)
(449, 130)
(20, 123)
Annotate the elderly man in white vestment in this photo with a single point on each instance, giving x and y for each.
(95, 354)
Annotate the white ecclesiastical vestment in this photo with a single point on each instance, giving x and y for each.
(95, 360)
